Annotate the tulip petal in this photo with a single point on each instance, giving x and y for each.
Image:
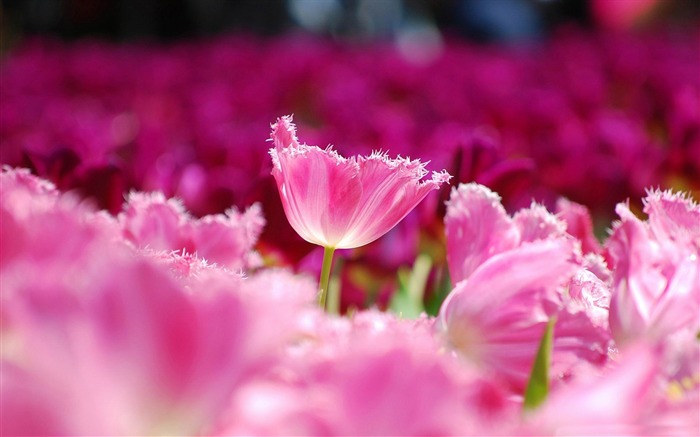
(477, 227)
(497, 316)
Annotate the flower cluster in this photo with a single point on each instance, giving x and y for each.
(169, 311)
(153, 321)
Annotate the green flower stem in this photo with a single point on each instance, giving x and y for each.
(333, 299)
(325, 276)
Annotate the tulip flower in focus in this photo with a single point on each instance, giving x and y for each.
(343, 203)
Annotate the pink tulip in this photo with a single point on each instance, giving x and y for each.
(151, 220)
(656, 276)
(477, 227)
(673, 216)
(102, 338)
(510, 276)
(497, 317)
(129, 352)
(340, 202)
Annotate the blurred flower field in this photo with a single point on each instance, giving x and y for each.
(153, 285)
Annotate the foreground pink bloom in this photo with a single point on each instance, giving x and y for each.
(342, 202)
(134, 354)
(371, 374)
(102, 338)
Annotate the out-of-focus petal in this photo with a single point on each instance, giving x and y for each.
(613, 404)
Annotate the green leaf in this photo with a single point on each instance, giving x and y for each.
(407, 301)
(538, 385)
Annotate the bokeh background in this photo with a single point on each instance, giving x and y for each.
(482, 20)
(594, 101)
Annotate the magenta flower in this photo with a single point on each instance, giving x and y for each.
(343, 203)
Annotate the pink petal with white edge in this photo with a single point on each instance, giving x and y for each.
(339, 202)
(656, 282)
(673, 215)
(391, 188)
(477, 227)
(536, 223)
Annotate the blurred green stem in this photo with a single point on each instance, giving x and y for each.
(325, 275)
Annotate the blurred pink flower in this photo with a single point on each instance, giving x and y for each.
(149, 220)
(341, 202)
(101, 338)
(372, 374)
(128, 352)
